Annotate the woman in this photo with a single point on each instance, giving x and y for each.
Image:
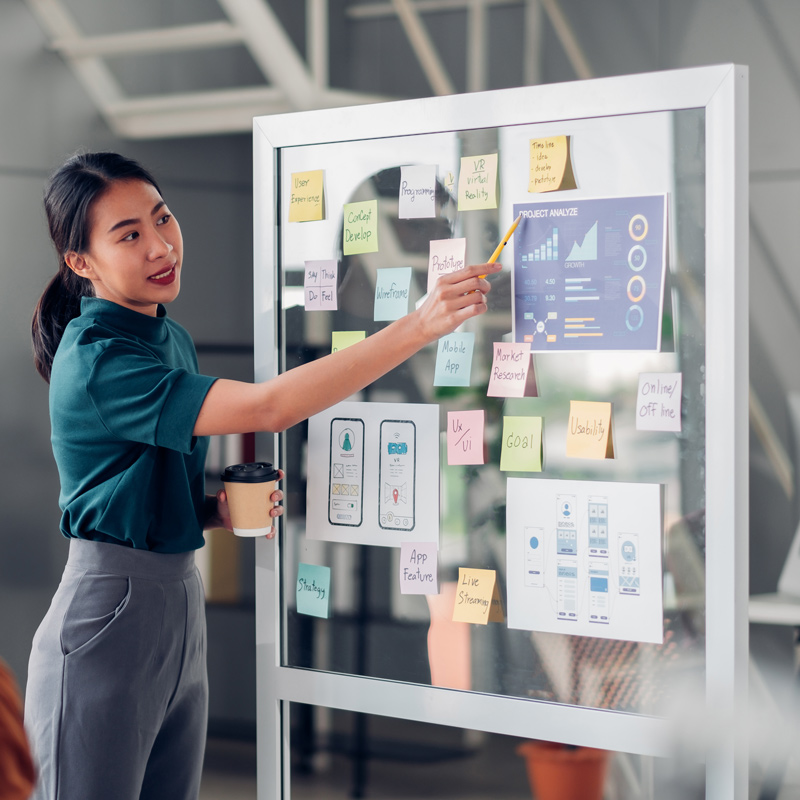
(117, 691)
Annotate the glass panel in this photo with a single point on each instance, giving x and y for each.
(338, 755)
(376, 631)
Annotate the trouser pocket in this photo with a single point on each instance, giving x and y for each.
(97, 603)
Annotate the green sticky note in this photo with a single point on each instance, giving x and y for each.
(342, 339)
(360, 233)
(313, 590)
(522, 444)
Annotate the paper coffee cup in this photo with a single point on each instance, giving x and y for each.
(249, 487)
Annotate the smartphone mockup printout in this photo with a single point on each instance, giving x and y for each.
(534, 557)
(567, 590)
(346, 472)
(397, 475)
(598, 592)
(598, 526)
(566, 525)
(629, 563)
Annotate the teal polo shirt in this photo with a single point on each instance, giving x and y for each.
(124, 398)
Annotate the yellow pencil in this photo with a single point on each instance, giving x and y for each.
(499, 248)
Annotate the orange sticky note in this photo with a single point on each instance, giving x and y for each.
(475, 595)
(589, 433)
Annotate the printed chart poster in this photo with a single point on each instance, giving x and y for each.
(589, 274)
(373, 474)
(587, 558)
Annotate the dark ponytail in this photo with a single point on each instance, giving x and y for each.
(68, 200)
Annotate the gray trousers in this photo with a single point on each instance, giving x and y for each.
(117, 695)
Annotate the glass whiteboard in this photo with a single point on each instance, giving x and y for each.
(382, 651)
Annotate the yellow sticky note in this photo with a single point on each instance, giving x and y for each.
(305, 199)
(589, 433)
(476, 588)
(551, 165)
(522, 444)
(342, 339)
(477, 182)
(360, 234)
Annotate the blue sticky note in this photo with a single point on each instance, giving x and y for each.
(454, 359)
(313, 590)
(391, 293)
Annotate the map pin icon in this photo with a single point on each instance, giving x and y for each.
(394, 495)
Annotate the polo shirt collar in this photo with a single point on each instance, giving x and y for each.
(143, 326)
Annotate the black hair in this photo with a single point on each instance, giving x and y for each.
(68, 199)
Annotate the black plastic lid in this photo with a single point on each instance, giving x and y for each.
(256, 472)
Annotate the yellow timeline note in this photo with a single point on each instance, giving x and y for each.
(305, 200)
(589, 432)
(551, 165)
(478, 597)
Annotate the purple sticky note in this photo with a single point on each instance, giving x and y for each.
(418, 568)
(319, 283)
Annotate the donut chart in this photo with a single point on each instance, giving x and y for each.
(636, 284)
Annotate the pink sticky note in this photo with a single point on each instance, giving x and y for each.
(465, 437)
(512, 371)
(446, 255)
(418, 568)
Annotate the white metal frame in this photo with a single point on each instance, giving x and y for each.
(722, 92)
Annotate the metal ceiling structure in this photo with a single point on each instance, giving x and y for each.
(291, 82)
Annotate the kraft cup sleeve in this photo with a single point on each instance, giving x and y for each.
(249, 505)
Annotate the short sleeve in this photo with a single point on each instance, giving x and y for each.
(138, 398)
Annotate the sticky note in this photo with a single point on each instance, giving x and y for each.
(454, 359)
(418, 568)
(305, 198)
(477, 182)
(496, 612)
(550, 165)
(360, 234)
(658, 401)
(512, 372)
(446, 255)
(313, 592)
(465, 437)
(589, 432)
(342, 339)
(319, 283)
(477, 598)
(392, 293)
(522, 444)
(417, 197)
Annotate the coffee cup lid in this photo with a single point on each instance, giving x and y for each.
(255, 472)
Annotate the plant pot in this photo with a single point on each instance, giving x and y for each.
(558, 772)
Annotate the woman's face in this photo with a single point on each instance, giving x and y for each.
(135, 248)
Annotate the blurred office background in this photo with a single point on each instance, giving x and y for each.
(185, 114)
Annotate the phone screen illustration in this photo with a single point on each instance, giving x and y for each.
(397, 475)
(346, 472)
